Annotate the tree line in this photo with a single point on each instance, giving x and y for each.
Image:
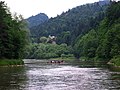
(102, 43)
(47, 51)
(13, 34)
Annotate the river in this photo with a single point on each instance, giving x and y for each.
(66, 76)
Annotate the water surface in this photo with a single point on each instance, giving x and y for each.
(68, 76)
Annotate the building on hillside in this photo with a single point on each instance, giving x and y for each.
(51, 39)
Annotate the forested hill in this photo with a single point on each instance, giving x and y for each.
(102, 43)
(69, 25)
(37, 20)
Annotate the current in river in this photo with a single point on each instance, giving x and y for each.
(65, 76)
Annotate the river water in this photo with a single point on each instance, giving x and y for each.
(66, 76)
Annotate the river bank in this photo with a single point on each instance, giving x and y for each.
(115, 63)
(65, 58)
(11, 62)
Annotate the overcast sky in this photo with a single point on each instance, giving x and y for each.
(52, 8)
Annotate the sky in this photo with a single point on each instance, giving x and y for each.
(52, 8)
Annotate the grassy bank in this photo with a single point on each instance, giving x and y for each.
(11, 62)
(115, 61)
(114, 64)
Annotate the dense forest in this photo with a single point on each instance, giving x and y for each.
(103, 42)
(92, 32)
(47, 51)
(69, 25)
(67, 28)
(13, 34)
(37, 20)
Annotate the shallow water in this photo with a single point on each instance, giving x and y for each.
(68, 76)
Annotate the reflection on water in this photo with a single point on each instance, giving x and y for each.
(11, 78)
(75, 76)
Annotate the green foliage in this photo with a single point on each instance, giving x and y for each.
(37, 19)
(115, 60)
(43, 40)
(46, 51)
(109, 45)
(86, 45)
(66, 56)
(69, 25)
(13, 36)
(113, 12)
(6, 62)
(103, 43)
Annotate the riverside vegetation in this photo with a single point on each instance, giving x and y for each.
(92, 30)
(13, 37)
(87, 32)
(103, 43)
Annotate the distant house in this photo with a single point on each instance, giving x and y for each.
(51, 39)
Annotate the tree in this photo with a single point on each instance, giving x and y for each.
(86, 45)
(12, 34)
(113, 12)
(43, 39)
(46, 51)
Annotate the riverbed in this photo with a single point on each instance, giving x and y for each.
(40, 75)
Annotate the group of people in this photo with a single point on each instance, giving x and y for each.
(56, 61)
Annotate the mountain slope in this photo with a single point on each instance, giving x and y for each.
(102, 43)
(37, 20)
(73, 23)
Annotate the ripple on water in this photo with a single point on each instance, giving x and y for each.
(60, 77)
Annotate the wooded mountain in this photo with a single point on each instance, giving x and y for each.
(73, 23)
(93, 31)
(37, 20)
(103, 42)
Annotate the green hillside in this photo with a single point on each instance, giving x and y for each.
(69, 25)
(102, 43)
